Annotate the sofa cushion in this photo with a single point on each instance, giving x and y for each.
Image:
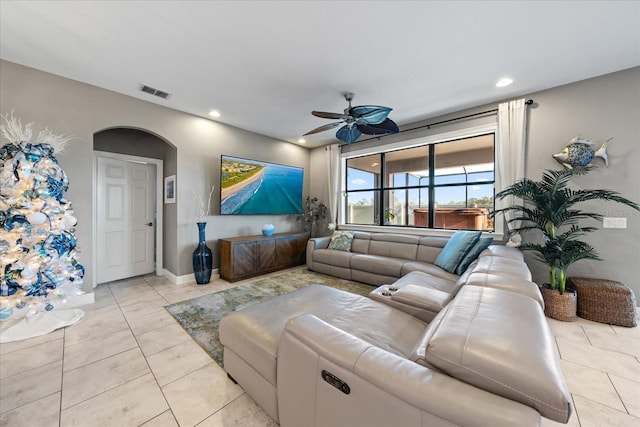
(332, 257)
(420, 278)
(482, 244)
(506, 283)
(379, 324)
(455, 249)
(377, 264)
(430, 269)
(500, 341)
(341, 241)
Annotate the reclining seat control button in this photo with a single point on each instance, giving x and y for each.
(336, 382)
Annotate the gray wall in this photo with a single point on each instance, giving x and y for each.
(80, 110)
(599, 108)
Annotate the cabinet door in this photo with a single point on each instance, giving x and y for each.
(244, 258)
(266, 254)
(301, 247)
(285, 251)
(291, 250)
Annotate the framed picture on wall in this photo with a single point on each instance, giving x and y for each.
(170, 189)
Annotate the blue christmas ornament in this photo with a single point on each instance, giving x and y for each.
(5, 312)
(8, 151)
(9, 290)
(15, 220)
(63, 244)
(56, 188)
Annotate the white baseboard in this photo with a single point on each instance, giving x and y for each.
(186, 278)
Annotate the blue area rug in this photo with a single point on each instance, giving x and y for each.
(201, 316)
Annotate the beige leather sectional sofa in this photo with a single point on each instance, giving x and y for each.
(424, 349)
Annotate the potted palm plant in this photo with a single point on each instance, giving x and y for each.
(549, 211)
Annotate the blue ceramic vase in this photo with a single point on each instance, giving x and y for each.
(202, 257)
(268, 229)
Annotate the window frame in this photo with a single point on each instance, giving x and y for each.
(443, 137)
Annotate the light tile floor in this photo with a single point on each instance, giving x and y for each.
(128, 363)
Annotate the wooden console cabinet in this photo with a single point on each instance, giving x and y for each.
(248, 256)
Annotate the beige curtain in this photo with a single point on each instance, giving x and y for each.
(510, 150)
(333, 175)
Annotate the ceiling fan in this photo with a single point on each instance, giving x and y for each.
(367, 119)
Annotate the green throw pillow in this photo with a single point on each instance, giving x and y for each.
(456, 248)
(341, 241)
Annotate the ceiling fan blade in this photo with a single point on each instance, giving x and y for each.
(348, 134)
(370, 114)
(325, 115)
(386, 127)
(323, 128)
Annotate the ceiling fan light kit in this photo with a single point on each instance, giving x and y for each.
(367, 119)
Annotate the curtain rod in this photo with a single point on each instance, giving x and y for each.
(428, 126)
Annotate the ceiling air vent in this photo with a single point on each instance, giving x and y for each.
(154, 91)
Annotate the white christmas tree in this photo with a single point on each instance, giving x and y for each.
(37, 243)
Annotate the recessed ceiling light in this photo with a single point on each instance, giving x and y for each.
(302, 141)
(374, 164)
(504, 82)
(214, 113)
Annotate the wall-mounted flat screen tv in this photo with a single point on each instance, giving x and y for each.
(252, 187)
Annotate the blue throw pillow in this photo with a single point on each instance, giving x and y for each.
(482, 244)
(456, 249)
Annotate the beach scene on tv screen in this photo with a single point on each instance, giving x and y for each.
(250, 187)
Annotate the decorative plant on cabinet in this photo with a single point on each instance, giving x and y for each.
(313, 211)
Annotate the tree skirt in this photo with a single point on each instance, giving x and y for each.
(201, 316)
(39, 323)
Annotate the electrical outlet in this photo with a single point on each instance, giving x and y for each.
(611, 222)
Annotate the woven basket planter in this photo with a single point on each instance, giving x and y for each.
(560, 306)
(605, 301)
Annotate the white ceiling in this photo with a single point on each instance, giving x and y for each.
(265, 65)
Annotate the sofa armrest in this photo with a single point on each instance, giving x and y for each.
(422, 297)
(313, 244)
(319, 242)
(384, 388)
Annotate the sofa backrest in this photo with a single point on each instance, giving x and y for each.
(500, 342)
(394, 245)
(360, 242)
(405, 246)
(504, 252)
(429, 248)
(503, 266)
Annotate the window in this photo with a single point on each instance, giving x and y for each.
(448, 185)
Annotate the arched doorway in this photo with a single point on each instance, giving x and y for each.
(130, 218)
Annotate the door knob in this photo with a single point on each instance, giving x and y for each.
(149, 224)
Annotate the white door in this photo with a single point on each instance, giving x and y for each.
(125, 226)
